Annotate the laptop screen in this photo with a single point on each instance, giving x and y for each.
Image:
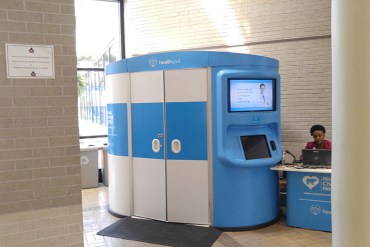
(316, 157)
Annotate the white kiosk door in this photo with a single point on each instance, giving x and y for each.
(187, 162)
(169, 145)
(148, 147)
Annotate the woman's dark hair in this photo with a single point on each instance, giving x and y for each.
(317, 127)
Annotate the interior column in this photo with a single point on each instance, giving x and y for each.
(351, 122)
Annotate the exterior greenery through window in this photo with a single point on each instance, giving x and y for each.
(98, 44)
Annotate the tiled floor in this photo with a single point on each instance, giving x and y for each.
(96, 218)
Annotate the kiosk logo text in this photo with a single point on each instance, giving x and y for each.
(153, 62)
(326, 183)
(310, 181)
(315, 209)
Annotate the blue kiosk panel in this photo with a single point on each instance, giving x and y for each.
(147, 121)
(188, 122)
(309, 200)
(117, 129)
(246, 143)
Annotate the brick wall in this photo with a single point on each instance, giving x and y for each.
(40, 184)
(296, 32)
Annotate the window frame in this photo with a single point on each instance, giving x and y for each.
(122, 49)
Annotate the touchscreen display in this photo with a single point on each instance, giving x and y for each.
(251, 95)
(255, 147)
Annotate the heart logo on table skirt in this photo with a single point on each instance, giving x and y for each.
(310, 181)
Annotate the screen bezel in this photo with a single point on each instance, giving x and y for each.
(263, 80)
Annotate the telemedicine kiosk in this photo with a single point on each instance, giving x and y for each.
(192, 136)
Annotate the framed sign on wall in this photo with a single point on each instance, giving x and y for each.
(30, 61)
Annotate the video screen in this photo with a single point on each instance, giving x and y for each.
(255, 147)
(251, 95)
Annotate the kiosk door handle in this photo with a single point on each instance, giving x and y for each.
(176, 146)
(156, 145)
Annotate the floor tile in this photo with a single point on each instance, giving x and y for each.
(96, 218)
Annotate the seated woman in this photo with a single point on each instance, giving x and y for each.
(318, 134)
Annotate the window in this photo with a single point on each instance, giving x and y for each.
(98, 44)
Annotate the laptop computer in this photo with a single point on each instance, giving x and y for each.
(316, 157)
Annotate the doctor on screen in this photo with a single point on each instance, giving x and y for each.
(264, 98)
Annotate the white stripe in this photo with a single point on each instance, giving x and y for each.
(311, 200)
(187, 85)
(120, 184)
(118, 88)
(187, 191)
(149, 188)
(147, 87)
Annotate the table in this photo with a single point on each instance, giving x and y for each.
(308, 203)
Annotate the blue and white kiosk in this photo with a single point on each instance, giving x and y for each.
(192, 137)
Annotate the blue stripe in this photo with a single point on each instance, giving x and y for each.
(147, 124)
(187, 122)
(167, 61)
(188, 59)
(116, 67)
(117, 129)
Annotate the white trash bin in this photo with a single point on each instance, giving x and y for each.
(89, 160)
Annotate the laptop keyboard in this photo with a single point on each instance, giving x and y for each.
(300, 166)
(316, 167)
